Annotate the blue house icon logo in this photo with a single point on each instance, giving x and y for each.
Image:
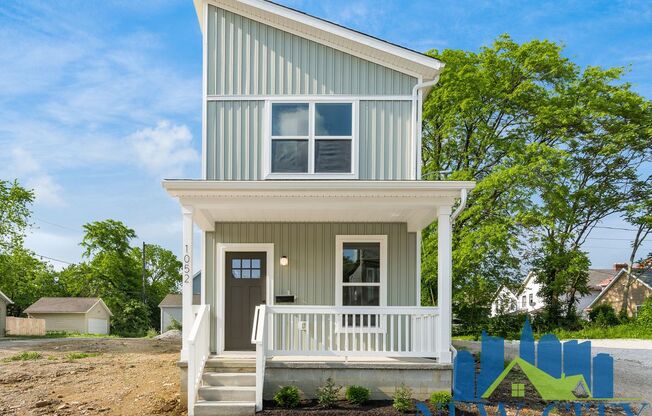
(551, 370)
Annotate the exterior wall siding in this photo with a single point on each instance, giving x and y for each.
(310, 248)
(63, 322)
(235, 133)
(638, 293)
(246, 57)
(385, 142)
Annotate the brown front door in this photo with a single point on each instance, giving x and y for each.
(245, 274)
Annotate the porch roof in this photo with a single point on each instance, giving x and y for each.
(413, 202)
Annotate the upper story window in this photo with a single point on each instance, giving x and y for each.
(312, 140)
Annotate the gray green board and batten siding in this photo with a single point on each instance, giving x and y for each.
(263, 60)
(310, 247)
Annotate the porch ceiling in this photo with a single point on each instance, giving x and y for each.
(413, 202)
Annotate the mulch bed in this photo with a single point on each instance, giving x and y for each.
(343, 408)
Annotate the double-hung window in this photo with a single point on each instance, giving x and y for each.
(312, 140)
(361, 277)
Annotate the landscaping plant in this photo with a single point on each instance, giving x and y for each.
(287, 396)
(357, 395)
(440, 398)
(604, 315)
(402, 399)
(328, 394)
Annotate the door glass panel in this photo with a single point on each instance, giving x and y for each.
(289, 119)
(333, 156)
(246, 268)
(361, 263)
(333, 119)
(289, 156)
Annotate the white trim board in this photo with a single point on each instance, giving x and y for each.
(220, 299)
(312, 138)
(312, 97)
(339, 285)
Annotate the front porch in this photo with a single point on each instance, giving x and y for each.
(359, 328)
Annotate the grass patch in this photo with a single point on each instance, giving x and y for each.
(80, 355)
(623, 331)
(24, 356)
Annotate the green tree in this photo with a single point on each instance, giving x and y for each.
(553, 149)
(162, 276)
(15, 211)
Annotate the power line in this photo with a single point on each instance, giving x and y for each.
(53, 259)
(614, 228)
(55, 224)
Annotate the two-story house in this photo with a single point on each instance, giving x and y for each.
(310, 208)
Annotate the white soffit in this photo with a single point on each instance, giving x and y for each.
(322, 31)
(413, 202)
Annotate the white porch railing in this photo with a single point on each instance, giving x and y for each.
(198, 352)
(387, 331)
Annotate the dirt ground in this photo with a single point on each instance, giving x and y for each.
(128, 377)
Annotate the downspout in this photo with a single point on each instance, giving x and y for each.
(460, 208)
(416, 125)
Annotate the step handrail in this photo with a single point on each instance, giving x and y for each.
(259, 337)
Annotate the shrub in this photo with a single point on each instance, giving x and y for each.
(151, 333)
(24, 356)
(440, 398)
(644, 316)
(357, 395)
(603, 315)
(174, 325)
(287, 396)
(506, 326)
(402, 398)
(328, 394)
(131, 319)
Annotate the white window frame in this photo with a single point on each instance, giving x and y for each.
(311, 174)
(339, 284)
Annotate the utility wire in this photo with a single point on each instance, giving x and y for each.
(55, 224)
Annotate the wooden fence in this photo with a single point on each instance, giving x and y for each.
(25, 326)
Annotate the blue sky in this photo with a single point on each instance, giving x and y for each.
(101, 100)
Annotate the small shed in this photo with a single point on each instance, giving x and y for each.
(83, 315)
(4, 301)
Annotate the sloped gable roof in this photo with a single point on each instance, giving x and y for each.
(645, 278)
(65, 305)
(330, 34)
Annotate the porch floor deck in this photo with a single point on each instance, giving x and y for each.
(306, 361)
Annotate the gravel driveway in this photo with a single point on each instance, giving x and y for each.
(632, 363)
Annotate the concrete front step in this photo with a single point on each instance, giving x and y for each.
(230, 365)
(228, 393)
(208, 408)
(229, 379)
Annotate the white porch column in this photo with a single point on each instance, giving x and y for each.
(186, 282)
(444, 282)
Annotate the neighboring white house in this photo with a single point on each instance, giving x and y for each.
(83, 315)
(527, 298)
(311, 207)
(4, 301)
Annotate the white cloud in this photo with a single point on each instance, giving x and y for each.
(33, 176)
(165, 150)
(63, 247)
